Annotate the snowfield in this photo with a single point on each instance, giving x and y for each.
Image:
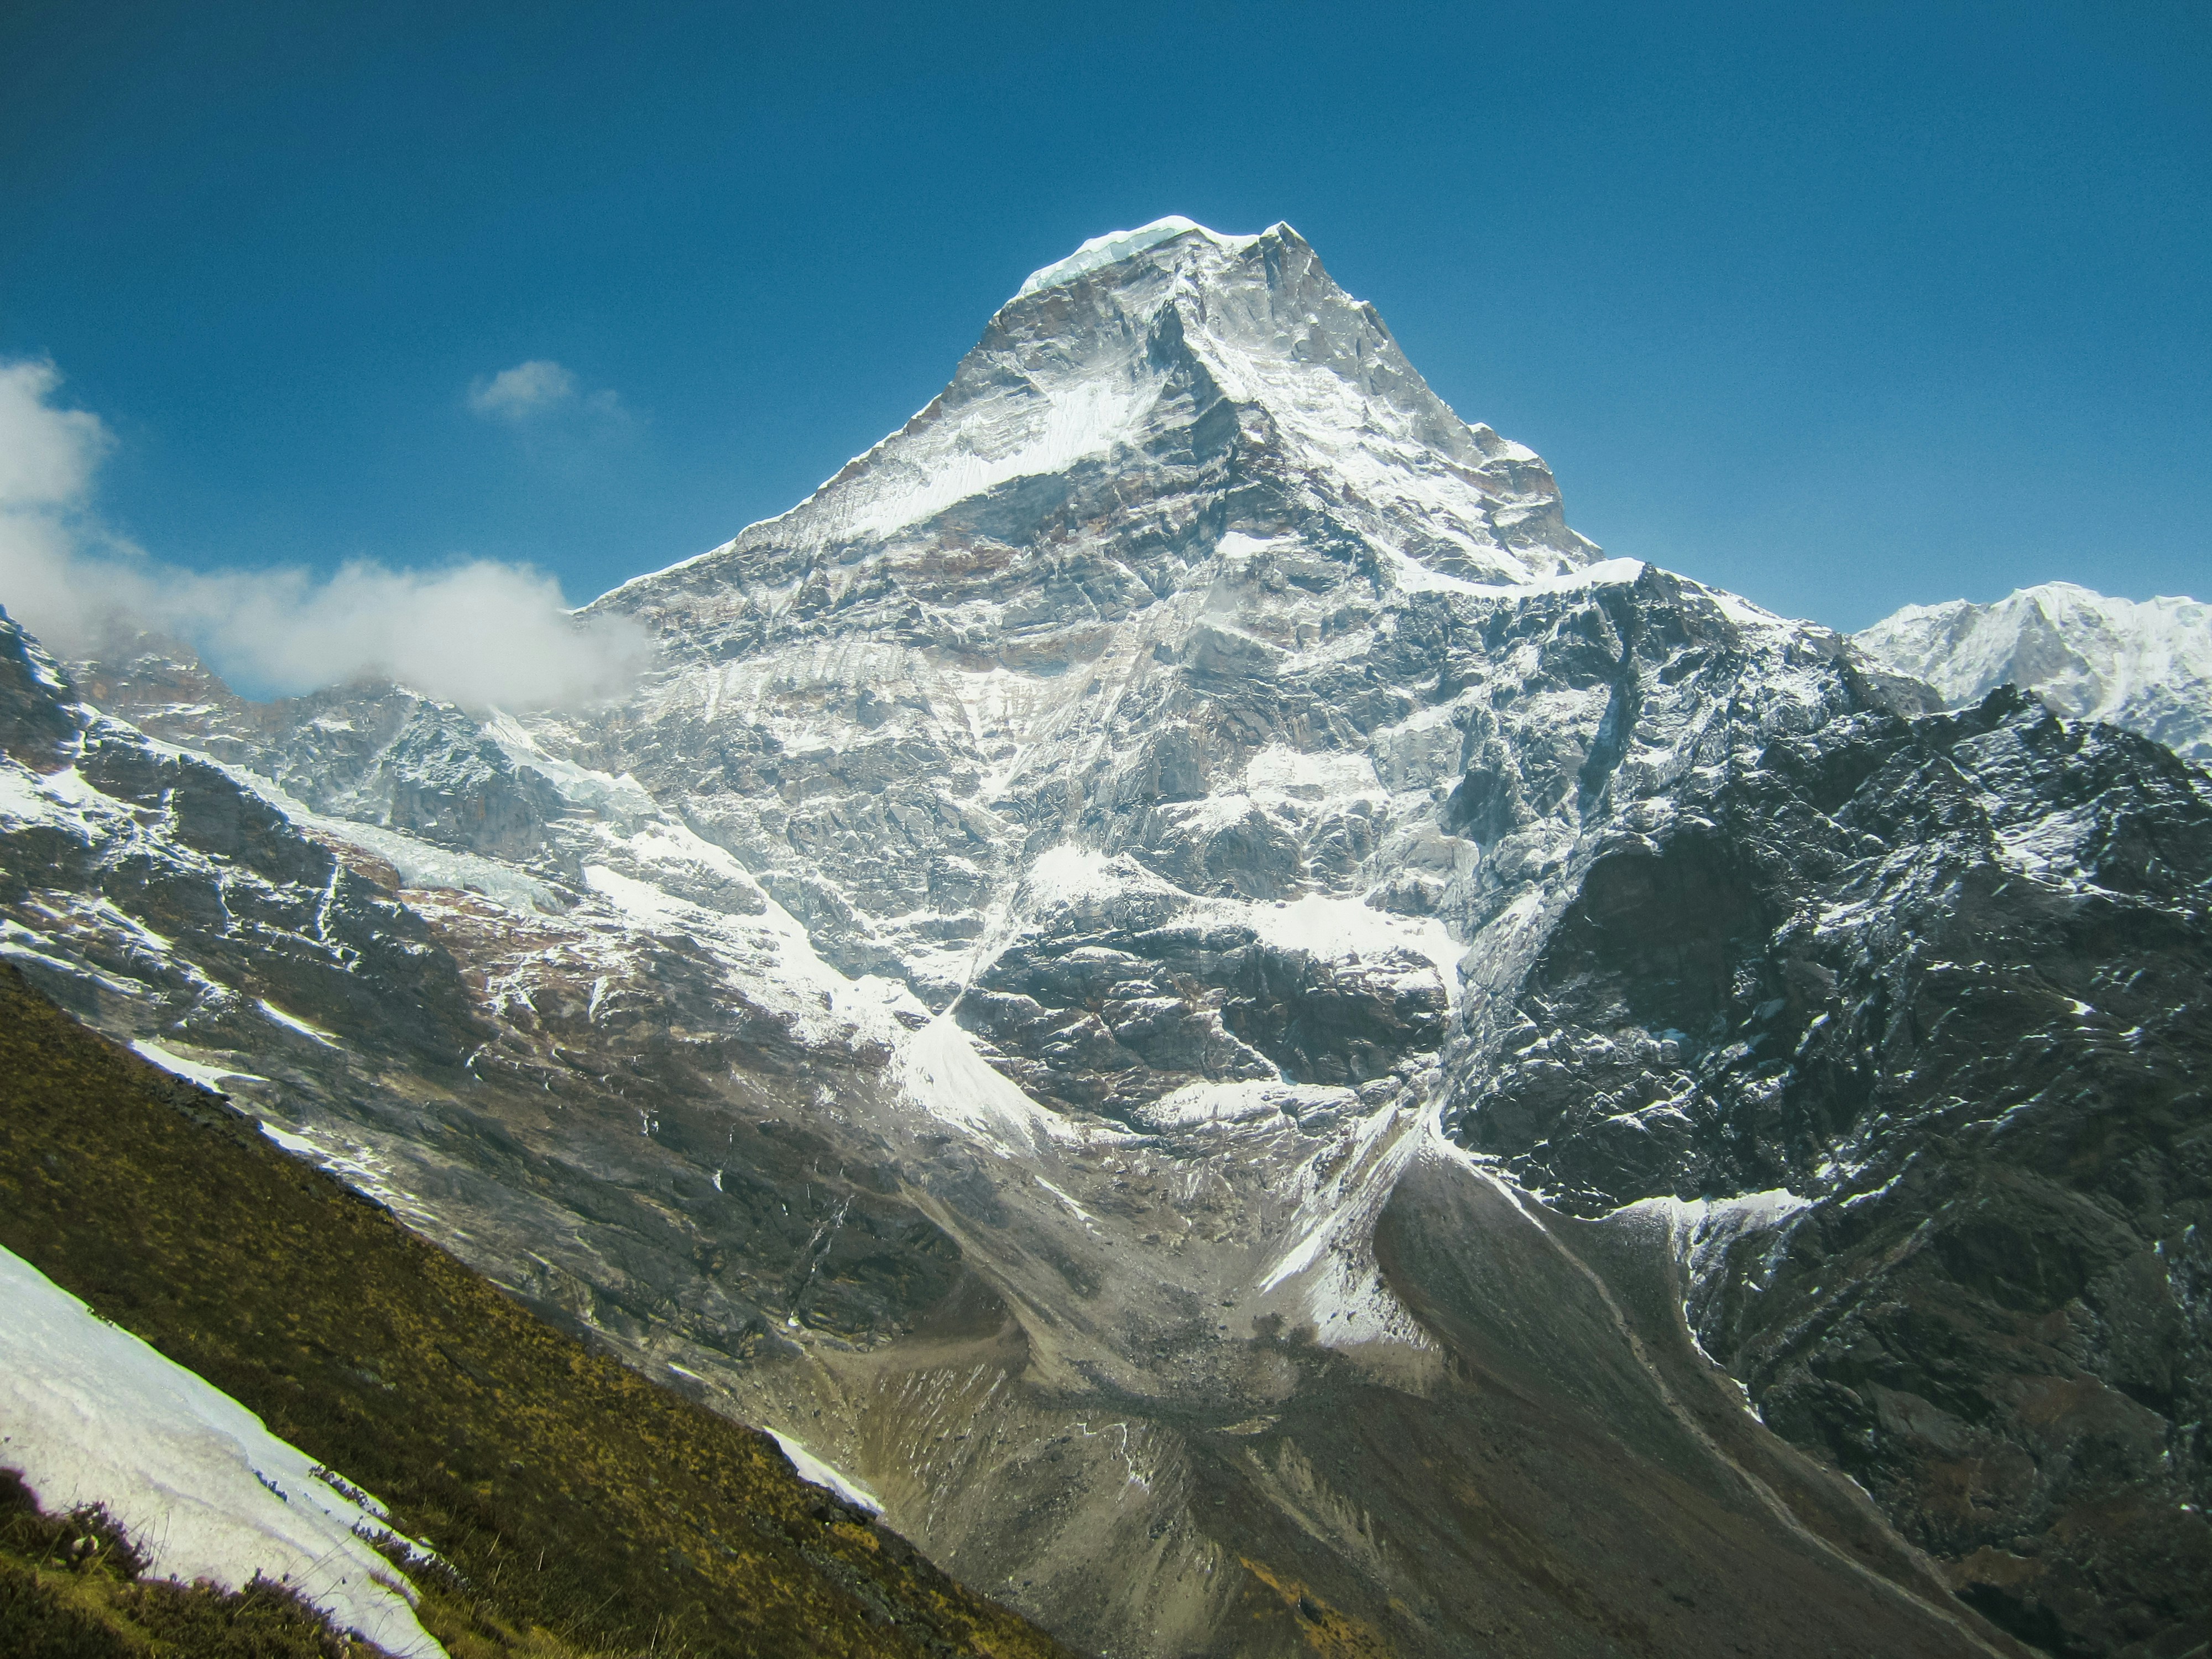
(93, 1415)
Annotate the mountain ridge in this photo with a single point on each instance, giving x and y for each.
(2145, 664)
(1002, 390)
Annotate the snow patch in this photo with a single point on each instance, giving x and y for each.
(95, 1416)
(360, 1168)
(1197, 1104)
(769, 957)
(1605, 573)
(1331, 773)
(208, 1077)
(1086, 419)
(294, 1022)
(1068, 874)
(27, 798)
(1333, 928)
(941, 1071)
(812, 1469)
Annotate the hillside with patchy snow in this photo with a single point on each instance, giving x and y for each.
(94, 1416)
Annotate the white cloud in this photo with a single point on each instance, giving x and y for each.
(536, 387)
(539, 390)
(477, 633)
(46, 454)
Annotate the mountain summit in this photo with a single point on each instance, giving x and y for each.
(1177, 468)
(1116, 245)
(1212, 377)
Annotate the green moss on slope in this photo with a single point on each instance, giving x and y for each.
(581, 1507)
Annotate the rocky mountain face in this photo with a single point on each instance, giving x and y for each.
(1177, 978)
(2144, 664)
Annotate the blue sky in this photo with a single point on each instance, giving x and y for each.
(1839, 306)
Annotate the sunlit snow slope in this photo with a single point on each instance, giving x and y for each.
(93, 1415)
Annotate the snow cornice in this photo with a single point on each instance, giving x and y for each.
(1115, 245)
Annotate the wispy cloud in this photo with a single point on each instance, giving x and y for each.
(479, 632)
(536, 390)
(516, 394)
(46, 454)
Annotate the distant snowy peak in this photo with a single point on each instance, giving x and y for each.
(1183, 363)
(2145, 664)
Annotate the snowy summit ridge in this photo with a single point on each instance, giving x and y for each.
(1177, 461)
(1116, 245)
(1179, 363)
(2145, 664)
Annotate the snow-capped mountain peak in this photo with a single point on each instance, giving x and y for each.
(1095, 962)
(1212, 386)
(2142, 664)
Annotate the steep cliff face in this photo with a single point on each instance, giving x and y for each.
(1175, 976)
(38, 721)
(1063, 603)
(1899, 1026)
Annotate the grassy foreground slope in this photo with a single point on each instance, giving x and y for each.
(583, 1509)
